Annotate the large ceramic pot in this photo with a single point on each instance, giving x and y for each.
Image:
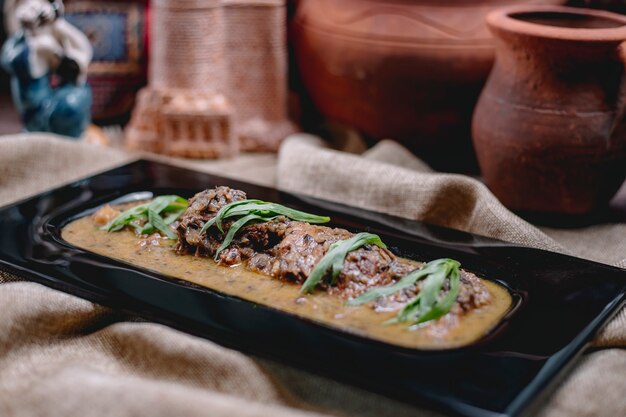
(401, 69)
(548, 128)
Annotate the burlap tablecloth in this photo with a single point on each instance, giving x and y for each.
(63, 356)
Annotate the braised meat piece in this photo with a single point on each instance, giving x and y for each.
(301, 247)
(368, 267)
(251, 240)
(286, 249)
(202, 207)
(289, 250)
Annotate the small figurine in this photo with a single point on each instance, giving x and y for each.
(47, 58)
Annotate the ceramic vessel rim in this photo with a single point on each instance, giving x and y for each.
(503, 20)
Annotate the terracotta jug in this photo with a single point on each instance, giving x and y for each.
(548, 129)
(410, 70)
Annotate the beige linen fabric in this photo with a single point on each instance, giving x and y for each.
(389, 179)
(63, 356)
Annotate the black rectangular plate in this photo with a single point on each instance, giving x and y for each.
(561, 301)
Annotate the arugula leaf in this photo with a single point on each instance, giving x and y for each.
(405, 282)
(160, 203)
(158, 223)
(173, 216)
(222, 211)
(427, 305)
(444, 305)
(126, 217)
(146, 229)
(260, 208)
(253, 210)
(333, 259)
(234, 228)
(146, 218)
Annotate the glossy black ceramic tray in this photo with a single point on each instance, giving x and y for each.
(561, 301)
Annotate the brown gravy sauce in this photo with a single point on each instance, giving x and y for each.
(261, 289)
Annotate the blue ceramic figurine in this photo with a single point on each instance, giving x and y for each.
(47, 58)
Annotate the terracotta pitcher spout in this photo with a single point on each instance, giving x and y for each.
(549, 127)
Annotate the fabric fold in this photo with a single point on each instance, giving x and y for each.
(450, 200)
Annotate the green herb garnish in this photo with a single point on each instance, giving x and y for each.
(234, 228)
(427, 305)
(260, 208)
(254, 211)
(333, 259)
(149, 217)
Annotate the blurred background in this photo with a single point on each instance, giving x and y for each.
(115, 82)
(118, 31)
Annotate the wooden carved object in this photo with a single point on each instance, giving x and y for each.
(217, 79)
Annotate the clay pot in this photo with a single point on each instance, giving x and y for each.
(407, 70)
(548, 128)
